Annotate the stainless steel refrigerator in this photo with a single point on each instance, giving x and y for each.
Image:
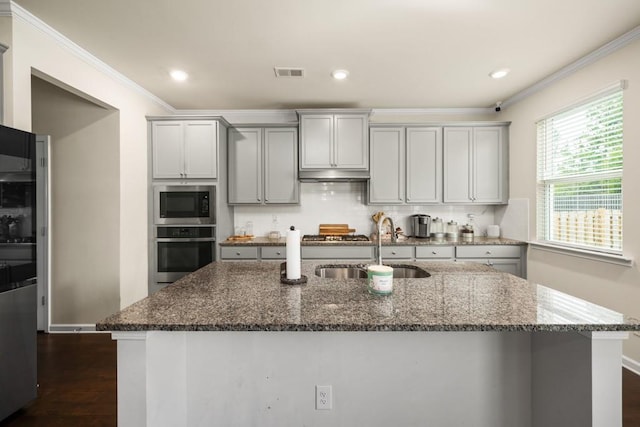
(18, 270)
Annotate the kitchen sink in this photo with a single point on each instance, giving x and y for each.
(400, 271)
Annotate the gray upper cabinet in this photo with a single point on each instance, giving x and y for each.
(476, 165)
(338, 141)
(386, 185)
(185, 149)
(424, 165)
(406, 165)
(263, 165)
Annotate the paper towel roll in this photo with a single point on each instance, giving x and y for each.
(293, 254)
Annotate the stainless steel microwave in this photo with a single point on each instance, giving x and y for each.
(184, 204)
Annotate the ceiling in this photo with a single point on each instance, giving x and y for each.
(400, 53)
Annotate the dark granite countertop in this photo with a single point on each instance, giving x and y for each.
(409, 241)
(248, 296)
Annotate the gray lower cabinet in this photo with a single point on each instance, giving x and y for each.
(406, 165)
(337, 252)
(245, 253)
(504, 258)
(435, 253)
(273, 252)
(263, 166)
(397, 252)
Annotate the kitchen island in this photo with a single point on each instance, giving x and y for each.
(230, 345)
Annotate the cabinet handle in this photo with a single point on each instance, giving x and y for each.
(393, 252)
(488, 252)
(278, 253)
(489, 263)
(434, 253)
(238, 253)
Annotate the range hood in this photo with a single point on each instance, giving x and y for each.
(333, 175)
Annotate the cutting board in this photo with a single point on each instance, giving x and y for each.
(335, 229)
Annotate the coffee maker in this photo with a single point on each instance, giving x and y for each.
(420, 225)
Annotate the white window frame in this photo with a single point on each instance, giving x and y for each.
(544, 241)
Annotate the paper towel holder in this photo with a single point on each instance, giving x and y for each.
(283, 277)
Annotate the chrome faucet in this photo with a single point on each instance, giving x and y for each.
(393, 235)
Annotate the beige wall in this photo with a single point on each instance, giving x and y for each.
(6, 26)
(613, 286)
(84, 166)
(32, 50)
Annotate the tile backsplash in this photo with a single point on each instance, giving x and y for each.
(345, 203)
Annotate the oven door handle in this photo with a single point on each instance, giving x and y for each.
(194, 239)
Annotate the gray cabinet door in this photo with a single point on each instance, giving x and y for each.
(316, 141)
(167, 140)
(387, 160)
(200, 149)
(424, 165)
(351, 141)
(245, 165)
(457, 148)
(488, 165)
(281, 165)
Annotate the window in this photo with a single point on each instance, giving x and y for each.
(580, 175)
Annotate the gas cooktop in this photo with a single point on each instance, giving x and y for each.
(335, 238)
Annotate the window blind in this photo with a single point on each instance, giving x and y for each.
(579, 200)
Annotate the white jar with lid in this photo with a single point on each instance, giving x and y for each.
(437, 226)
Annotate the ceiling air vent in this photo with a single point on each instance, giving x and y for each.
(288, 72)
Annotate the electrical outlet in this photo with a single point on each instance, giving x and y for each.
(323, 397)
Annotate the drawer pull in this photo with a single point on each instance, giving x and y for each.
(434, 253)
(238, 253)
(393, 252)
(278, 253)
(488, 252)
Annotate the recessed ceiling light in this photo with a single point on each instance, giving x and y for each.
(179, 75)
(498, 74)
(340, 74)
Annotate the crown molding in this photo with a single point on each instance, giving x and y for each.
(19, 12)
(596, 55)
(238, 117)
(431, 111)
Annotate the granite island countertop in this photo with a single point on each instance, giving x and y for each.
(459, 296)
(407, 241)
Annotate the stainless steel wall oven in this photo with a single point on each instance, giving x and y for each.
(181, 250)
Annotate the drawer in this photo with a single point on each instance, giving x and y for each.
(274, 252)
(239, 252)
(435, 252)
(397, 252)
(337, 252)
(488, 251)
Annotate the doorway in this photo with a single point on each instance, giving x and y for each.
(83, 204)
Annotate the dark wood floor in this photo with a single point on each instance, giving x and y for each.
(77, 377)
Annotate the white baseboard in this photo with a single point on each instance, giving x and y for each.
(72, 327)
(630, 364)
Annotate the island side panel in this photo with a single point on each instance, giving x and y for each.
(377, 378)
(577, 379)
(132, 378)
